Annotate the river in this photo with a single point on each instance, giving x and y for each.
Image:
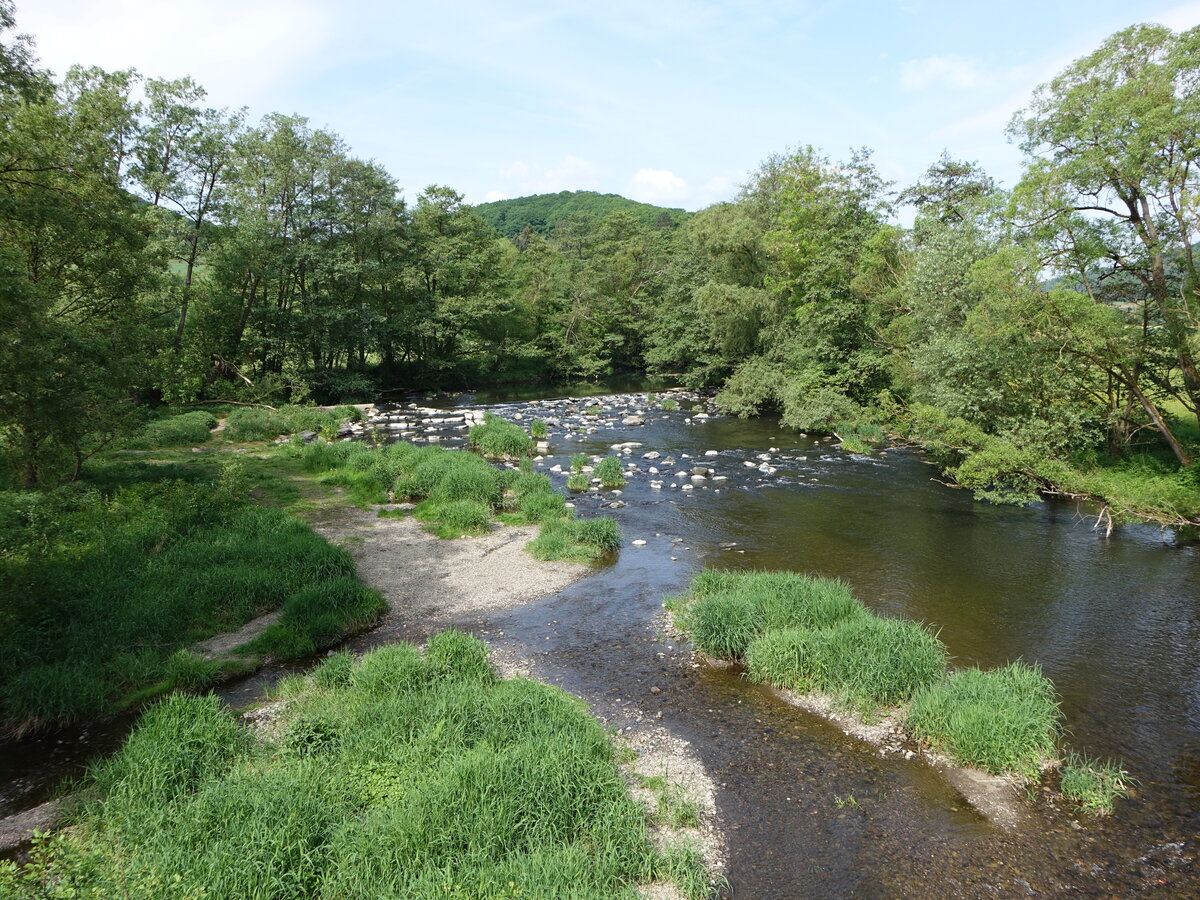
(1114, 621)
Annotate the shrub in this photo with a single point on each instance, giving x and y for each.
(1001, 720)
(610, 473)
(500, 439)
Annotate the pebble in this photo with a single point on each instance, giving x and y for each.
(639, 543)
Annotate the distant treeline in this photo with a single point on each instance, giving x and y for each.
(543, 212)
(154, 249)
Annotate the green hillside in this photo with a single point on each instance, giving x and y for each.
(542, 211)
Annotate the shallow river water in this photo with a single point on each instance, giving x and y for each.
(807, 811)
(1113, 621)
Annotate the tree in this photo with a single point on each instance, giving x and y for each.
(1113, 144)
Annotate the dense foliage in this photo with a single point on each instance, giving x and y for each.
(1039, 338)
(541, 213)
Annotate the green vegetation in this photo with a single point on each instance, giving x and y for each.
(577, 540)
(255, 424)
(541, 213)
(1001, 720)
(401, 775)
(811, 635)
(460, 493)
(670, 404)
(538, 430)
(1030, 338)
(498, 438)
(1094, 784)
(610, 473)
(578, 482)
(182, 430)
(578, 461)
(866, 662)
(106, 591)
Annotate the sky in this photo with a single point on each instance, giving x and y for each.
(671, 102)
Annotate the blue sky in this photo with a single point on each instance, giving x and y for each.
(667, 101)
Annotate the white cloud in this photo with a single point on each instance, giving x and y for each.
(658, 186)
(954, 71)
(493, 196)
(520, 179)
(240, 50)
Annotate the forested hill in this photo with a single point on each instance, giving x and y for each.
(542, 211)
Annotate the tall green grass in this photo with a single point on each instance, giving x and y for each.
(182, 430)
(811, 634)
(500, 439)
(1001, 720)
(1094, 784)
(404, 775)
(249, 423)
(610, 473)
(865, 661)
(102, 592)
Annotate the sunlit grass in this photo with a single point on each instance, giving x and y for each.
(403, 775)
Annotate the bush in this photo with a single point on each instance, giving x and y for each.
(610, 473)
(1002, 720)
(500, 439)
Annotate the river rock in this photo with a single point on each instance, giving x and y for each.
(308, 436)
(633, 420)
(639, 543)
(703, 471)
(712, 452)
(653, 454)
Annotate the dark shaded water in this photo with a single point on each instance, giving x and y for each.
(809, 812)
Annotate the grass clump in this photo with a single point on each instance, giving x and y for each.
(576, 540)
(1001, 720)
(538, 429)
(182, 430)
(725, 611)
(498, 438)
(248, 423)
(578, 461)
(406, 775)
(456, 518)
(577, 482)
(865, 661)
(1094, 784)
(669, 404)
(610, 473)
